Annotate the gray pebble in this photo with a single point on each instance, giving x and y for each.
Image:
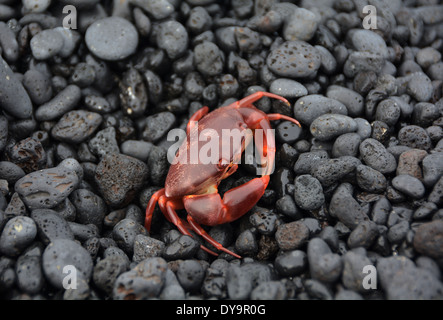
(64, 101)
(147, 247)
(76, 126)
(317, 290)
(345, 208)
(264, 220)
(307, 109)
(346, 145)
(71, 38)
(246, 243)
(308, 192)
(8, 43)
(238, 283)
(158, 125)
(58, 259)
(29, 274)
(104, 142)
(363, 62)
(112, 38)
(46, 44)
(388, 111)
(328, 61)
(427, 56)
(300, 25)
(364, 128)
(409, 185)
(159, 9)
(270, 290)
(370, 180)
(13, 97)
(17, 234)
(119, 178)
(47, 188)
(419, 86)
(291, 263)
(375, 155)
(308, 160)
(38, 85)
(428, 239)
(173, 38)
(288, 88)
(331, 171)
(184, 247)
(329, 126)
(369, 41)
(133, 93)
(10, 172)
(397, 233)
(51, 226)
(398, 275)
(190, 275)
(90, 208)
(353, 276)
(353, 101)
(106, 272)
(432, 168)
(324, 265)
(363, 235)
(294, 59)
(142, 282)
(208, 59)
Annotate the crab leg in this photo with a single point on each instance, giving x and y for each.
(151, 206)
(182, 226)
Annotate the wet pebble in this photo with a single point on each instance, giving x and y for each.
(10, 171)
(291, 263)
(17, 234)
(60, 256)
(112, 38)
(208, 59)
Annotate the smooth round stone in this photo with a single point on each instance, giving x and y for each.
(46, 44)
(307, 109)
(329, 126)
(63, 255)
(18, 233)
(346, 145)
(375, 155)
(112, 38)
(36, 5)
(173, 38)
(288, 88)
(294, 59)
(353, 101)
(308, 193)
(13, 98)
(366, 40)
(409, 185)
(301, 25)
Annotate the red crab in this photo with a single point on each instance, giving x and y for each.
(193, 186)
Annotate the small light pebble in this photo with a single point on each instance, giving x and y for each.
(288, 88)
(410, 186)
(46, 44)
(112, 38)
(17, 234)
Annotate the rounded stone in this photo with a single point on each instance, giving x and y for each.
(113, 38)
(63, 256)
(17, 234)
(308, 192)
